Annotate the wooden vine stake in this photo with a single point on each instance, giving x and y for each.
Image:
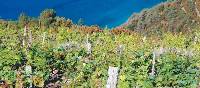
(112, 79)
(28, 70)
(88, 46)
(43, 39)
(144, 39)
(24, 37)
(153, 65)
(28, 40)
(156, 54)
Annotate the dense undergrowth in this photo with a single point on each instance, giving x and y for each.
(63, 54)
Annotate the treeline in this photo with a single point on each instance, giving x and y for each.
(49, 20)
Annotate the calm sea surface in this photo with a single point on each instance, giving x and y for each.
(101, 12)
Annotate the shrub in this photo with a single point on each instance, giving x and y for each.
(47, 17)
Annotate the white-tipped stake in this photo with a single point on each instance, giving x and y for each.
(112, 79)
(28, 70)
(88, 46)
(153, 65)
(24, 37)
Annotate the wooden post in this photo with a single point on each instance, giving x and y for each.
(24, 37)
(43, 39)
(28, 70)
(112, 79)
(153, 65)
(156, 54)
(88, 46)
(144, 39)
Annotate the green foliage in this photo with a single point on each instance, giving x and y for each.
(47, 17)
(177, 71)
(58, 56)
(67, 53)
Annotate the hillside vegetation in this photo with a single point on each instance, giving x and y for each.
(173, 16)
(53, 52)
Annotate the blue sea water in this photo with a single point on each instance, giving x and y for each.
(109, 13)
